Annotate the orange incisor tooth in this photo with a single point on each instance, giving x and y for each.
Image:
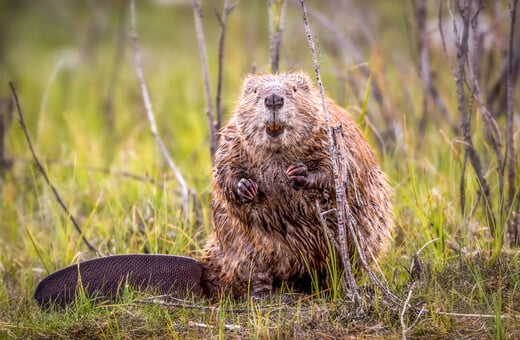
(274, 127)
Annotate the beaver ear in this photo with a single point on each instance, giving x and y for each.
(302, 81)
(249, 84)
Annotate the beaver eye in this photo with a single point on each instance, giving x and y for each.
(255, 90)
(294, 88)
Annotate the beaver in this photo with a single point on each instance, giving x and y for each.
(272, 172)
(272, 165)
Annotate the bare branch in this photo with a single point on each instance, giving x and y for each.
(345, 219)
(153, 126)
(276, 10)
(108, 171)
(443, 40)
(429, 86)
(480, 316)
(206, 326)
(339, 190)
(41, 169)
(228, 7)
(414, 263)
(403, 312)
(348, 281)
(6, 116)
(349, 49)
(116, 67)
(171, 301)
(510, 145)
(459, 74)
(490, 126)
(197, 15)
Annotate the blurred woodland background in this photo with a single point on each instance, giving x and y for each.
(443, 120)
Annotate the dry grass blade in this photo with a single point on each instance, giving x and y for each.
(41, 169)
(153, 125)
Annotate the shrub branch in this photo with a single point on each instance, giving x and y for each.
(276, 10)
(222, 19)
(153, 125)
(459, 75)
(347, 227)
(510, 144)
(197, 16)
(340, 193)
(41, 169)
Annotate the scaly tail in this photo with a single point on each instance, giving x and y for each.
(106, 277)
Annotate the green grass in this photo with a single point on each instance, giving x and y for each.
(466, 271)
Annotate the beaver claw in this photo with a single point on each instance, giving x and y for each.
(247, 190)
(298, 175)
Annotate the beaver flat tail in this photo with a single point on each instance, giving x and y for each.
(106, 278)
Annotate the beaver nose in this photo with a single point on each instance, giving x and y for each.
(273, 101)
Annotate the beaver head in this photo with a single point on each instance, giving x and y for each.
(277, 110)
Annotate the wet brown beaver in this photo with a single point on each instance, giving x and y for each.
(271, 167)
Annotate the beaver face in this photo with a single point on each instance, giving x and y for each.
(275, 109)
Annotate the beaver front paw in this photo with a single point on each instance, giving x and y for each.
(298, 176)
(247, 190)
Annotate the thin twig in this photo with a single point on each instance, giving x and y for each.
(108, 171)
(356, 237)
(483, 316)
(348, 281)
(206, 326)
(116, 67)
(459, 74)
(510, 145)
(329, 232)
(161, 300)
(339, 190)
(41, 169)
(414, 263)
(490, 126)
(6, 116)
(276, 26)
(443, 40)
(55, 70)
(153, 126)
(403, 312)
(426, 245)
(197, 15)
(221, 40)
(429, 86)
(462, 185)
(350, 50)
(345, 219)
